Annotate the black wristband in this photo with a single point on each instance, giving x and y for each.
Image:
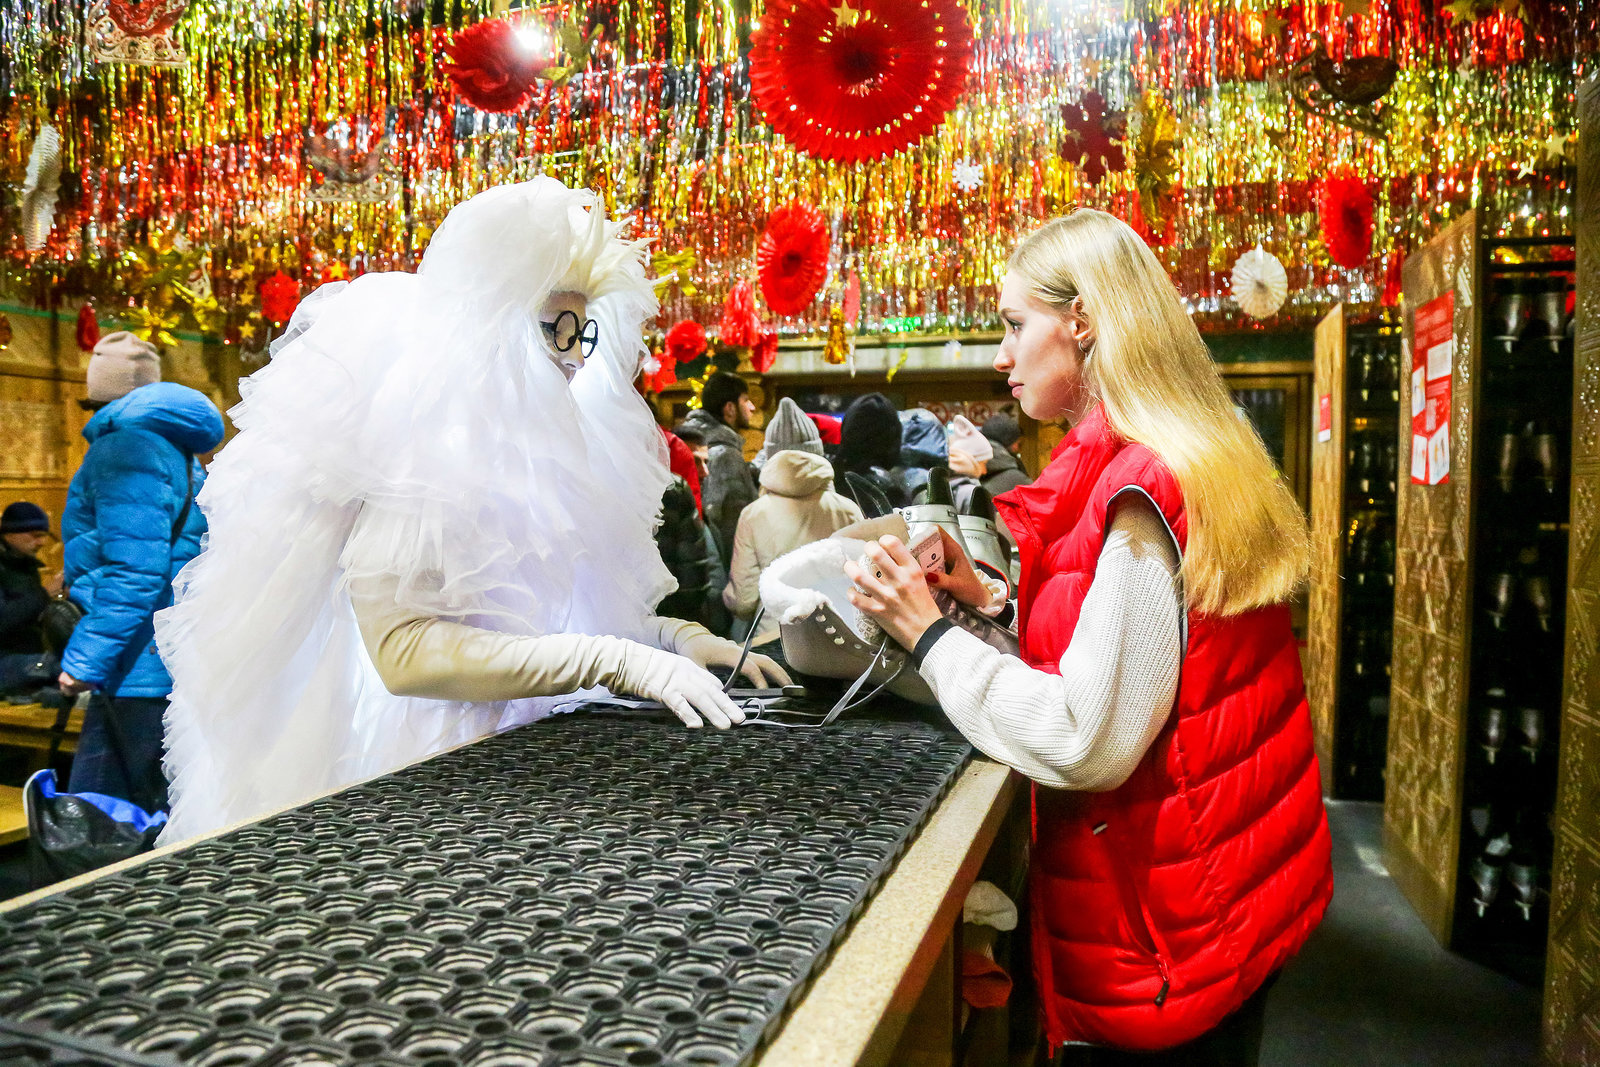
(929, 638)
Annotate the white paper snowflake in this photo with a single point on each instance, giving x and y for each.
(968, 176)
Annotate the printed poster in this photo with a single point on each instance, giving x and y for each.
(1432, 362)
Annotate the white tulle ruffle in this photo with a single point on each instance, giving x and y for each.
(412, 426)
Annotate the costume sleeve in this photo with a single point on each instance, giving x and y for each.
(742, 594)
(1089, 726)
(422, 656)
(134, 524)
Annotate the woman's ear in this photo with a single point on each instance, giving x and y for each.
(1082, 330)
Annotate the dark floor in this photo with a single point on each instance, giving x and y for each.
(1374, 987)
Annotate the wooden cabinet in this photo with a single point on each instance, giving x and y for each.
(1355, 469)
(1482, 510)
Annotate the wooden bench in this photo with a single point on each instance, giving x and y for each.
(13, 823)
(29, 726)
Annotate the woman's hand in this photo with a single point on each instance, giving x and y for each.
(963, 582)
(900, 601)
(964, 463)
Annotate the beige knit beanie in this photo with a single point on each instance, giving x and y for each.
(789, 428)
(121, 363)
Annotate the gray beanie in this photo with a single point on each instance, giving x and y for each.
(789, 430)
(121, 363)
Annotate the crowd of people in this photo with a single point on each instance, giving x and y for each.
(401, 552)
(726, 519)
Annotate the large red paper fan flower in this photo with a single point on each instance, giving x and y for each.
(792, 258)
(492, 68)
(1344, 209)
(859, 80)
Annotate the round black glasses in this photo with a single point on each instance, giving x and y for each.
(568, 330)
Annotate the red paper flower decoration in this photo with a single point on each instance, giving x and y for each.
(145, 18)
(1344, 208)
(491, 67)
(88, 332)
(740, 322)
(858, 81)
(685, 342)
(792, 258)
(1092, 136)
(764, 351)
(280, 295)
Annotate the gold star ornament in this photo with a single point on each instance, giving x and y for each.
(845, 15)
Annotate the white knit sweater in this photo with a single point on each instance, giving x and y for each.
(1089, 727)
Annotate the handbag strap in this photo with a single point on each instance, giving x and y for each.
(188, 497)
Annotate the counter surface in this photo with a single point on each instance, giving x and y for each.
(624, 889)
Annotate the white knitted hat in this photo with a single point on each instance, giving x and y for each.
(789, 429)
(121, 363)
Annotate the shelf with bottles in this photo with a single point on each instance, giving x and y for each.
(1521, 521)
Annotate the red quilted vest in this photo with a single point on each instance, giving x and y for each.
(1160, 906)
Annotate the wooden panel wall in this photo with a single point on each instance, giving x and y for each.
(1432, 604)
(1572, 969)
(1327, 542)
(41, 424)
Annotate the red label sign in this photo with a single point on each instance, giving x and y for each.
(1325, 417)
(1432, 361)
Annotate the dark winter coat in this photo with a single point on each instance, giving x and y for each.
(22, 598)
(117, 529)
(1005, 473)
(682, 542)
(729, 485)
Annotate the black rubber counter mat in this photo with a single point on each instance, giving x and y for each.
(585, 891)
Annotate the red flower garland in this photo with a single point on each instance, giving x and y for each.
(88, 331)
(740, 322)
(792, 258)
(491, 68)
(1344, 210)
(685, 342)
(764, 352)
(859, 81)
(280, 295)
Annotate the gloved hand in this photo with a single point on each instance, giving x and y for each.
(687, 690)
(709, 650)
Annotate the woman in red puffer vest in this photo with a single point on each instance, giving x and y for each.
(1181, 852)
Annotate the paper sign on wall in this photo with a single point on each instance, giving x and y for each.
(1325, 417)
(1432, 363)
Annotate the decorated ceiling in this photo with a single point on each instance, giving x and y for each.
(203, 164)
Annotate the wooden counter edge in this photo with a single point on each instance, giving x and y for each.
(855, 1011)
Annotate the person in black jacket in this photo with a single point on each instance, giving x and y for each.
(1004, 471)
(685, 550)
(24, 529)
(869, 447)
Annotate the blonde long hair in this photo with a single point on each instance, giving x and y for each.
(1247, 544)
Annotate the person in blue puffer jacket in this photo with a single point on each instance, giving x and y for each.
(129, 526)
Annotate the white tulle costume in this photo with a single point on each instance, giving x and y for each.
(412, 433)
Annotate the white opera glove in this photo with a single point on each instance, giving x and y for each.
(708, 650)
(684, 688)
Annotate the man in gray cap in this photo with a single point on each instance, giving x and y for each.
(130, 524)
